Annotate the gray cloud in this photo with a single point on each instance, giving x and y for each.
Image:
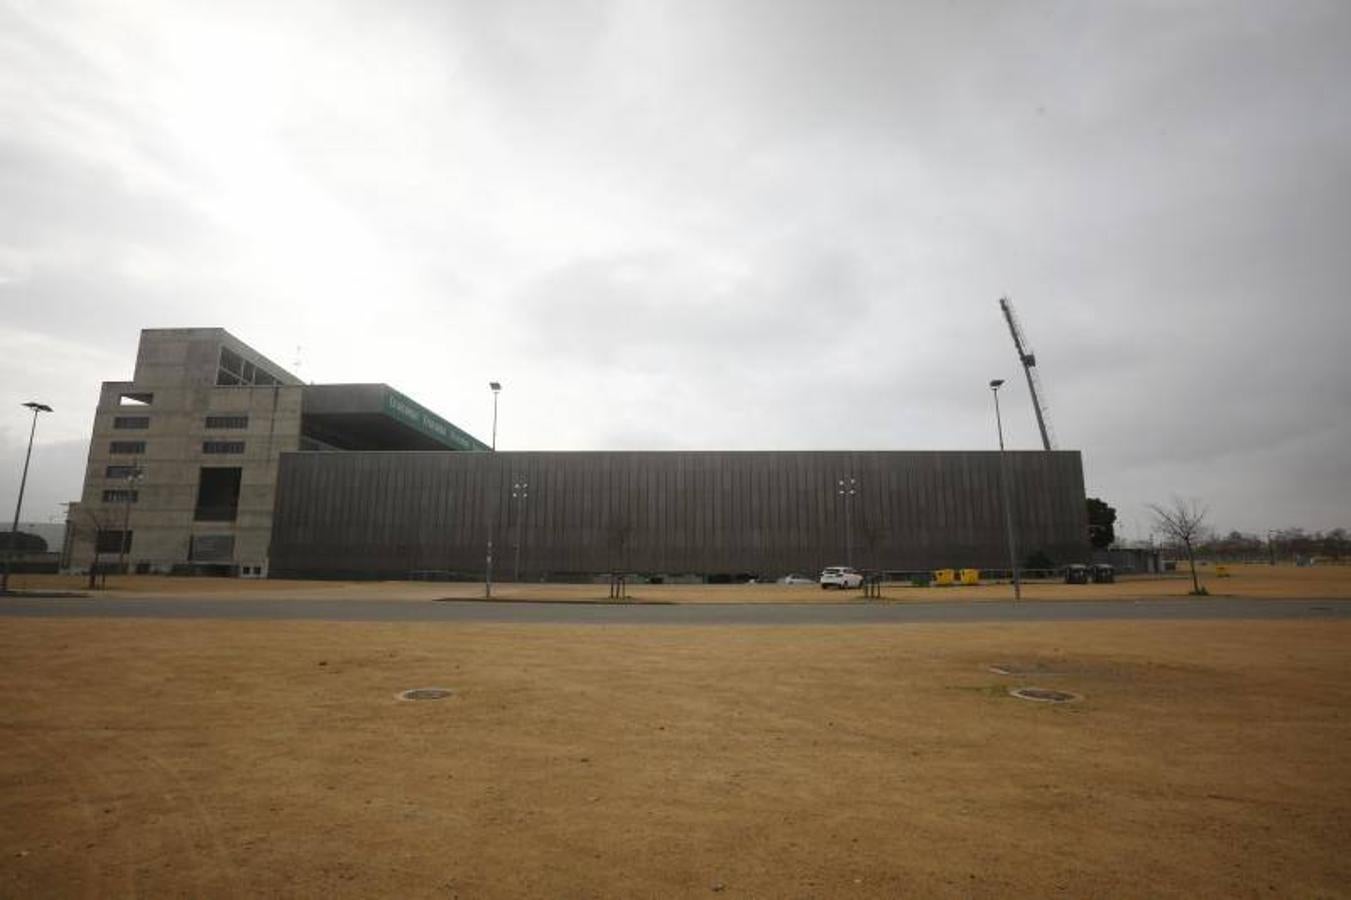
(714, 225)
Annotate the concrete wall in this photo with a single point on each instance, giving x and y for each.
(178, 367)
(387, 514)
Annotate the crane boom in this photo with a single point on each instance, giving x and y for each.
(1029, 361)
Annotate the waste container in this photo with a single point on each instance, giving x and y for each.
(945, 577)
(970, 576)
(1077, 573)
(1103, 574)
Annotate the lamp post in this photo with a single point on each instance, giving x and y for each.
(133, 478)
(848, 487)
(1004, 491)
(1271, 546)
(23, 482)
(518, 493)
(496, 388)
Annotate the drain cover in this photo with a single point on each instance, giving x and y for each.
(1042, 695)
(425, 694)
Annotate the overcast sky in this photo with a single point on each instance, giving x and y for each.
(707, 225)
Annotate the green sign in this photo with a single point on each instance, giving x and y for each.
(399, 407)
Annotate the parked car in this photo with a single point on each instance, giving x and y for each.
(841, 577)
(796, 579)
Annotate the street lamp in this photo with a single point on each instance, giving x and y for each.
(496, 388)
(1004, 490)
(848, 487)
(23, 482)
(133, 478)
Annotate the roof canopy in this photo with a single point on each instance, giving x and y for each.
(377, 417)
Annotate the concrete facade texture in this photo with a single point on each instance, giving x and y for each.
(169, 399)
(764, 513)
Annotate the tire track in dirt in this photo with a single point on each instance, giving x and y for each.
(208, 826)
(181, 797)
(51, 754)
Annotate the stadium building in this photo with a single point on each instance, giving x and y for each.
(184, 458)
(214, 459)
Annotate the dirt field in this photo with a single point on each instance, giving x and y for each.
(151, 758)
(1319, 582)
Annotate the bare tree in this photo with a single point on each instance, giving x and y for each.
(1183, 522)
(85, 523)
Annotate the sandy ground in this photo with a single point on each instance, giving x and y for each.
(158, 758)
(1318, 582)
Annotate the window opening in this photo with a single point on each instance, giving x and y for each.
(222, 446)
(235, 370)
(122, 471)
(113, 540)
(218, 494)
(227, 421)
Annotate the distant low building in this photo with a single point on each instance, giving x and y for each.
(1131, 560)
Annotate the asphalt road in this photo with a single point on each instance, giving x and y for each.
(862, 613)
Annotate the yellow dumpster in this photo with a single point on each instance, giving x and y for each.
(970, 576)
(945, 577)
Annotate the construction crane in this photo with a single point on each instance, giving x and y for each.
(1029, 361)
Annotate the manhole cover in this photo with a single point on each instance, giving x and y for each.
(425, 694)
(1042, 695)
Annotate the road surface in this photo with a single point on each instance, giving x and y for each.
(862, 613)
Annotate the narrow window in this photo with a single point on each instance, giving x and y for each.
(222, 446)
(122, 471)
(127, 447)
(120, 496)
(135, 399)
(135, 422)
(110, 540)
(227, 421)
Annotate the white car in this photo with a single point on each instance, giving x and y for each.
(841, 577)
(796, 579)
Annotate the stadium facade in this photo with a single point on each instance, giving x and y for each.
(241, 469)
(184, 458)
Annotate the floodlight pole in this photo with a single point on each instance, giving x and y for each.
(496, 388)
(23, 482)
(1004, 490)
(133, 478)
